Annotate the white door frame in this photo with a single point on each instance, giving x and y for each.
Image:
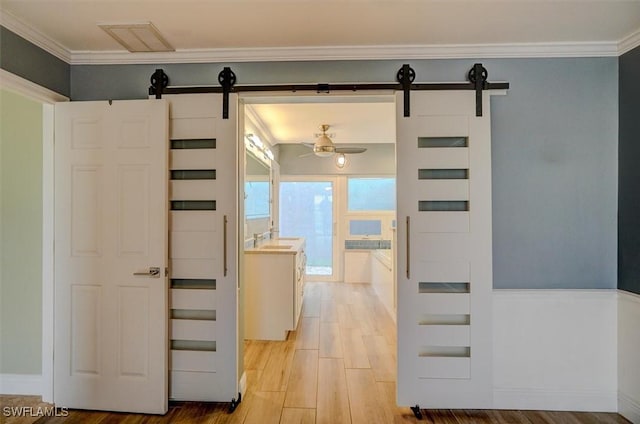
(47, 98)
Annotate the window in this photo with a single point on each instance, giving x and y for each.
(306, 210)
(365, 227)
(371, 194)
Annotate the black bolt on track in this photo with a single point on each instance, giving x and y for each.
(323, 87)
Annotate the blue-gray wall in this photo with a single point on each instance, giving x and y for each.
(629, 173)
(24, 59)
(555, 151)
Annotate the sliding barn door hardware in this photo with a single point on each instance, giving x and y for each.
(477, 81)
(159, 81)
(235, 402)
(406, 75)
(227, 79)
(416, 412)
(478, 77)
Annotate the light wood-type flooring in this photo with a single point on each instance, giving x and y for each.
(339, 367)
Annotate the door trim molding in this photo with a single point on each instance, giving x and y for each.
(48, 270)
(17, 84)
(47, 98)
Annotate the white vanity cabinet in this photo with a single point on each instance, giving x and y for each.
(274, 286)
(382, 279)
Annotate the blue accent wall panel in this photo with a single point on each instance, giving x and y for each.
(554, 151)
(30, 62)
(629, 174)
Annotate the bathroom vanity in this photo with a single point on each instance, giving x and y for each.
(274, 286)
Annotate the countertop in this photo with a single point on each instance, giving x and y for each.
(283, 245)
(384, 256)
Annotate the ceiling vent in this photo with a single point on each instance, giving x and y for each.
(138, 37)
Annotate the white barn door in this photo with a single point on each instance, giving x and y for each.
(110, 256)
(444, 252)
(203, 248)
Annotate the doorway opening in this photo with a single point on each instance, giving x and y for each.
(344, 336)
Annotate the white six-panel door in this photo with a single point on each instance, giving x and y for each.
(203, 248)
(444, 252)
(110, 224)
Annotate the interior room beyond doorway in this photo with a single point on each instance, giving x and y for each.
(344, 333)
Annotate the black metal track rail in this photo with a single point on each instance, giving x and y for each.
(405, 76)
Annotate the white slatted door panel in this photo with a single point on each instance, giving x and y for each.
(193, 299)
(193, 361)
(193, 329)
(203, 194)
(194, 159)
(193, 239)
(444, 252)
(192, 189)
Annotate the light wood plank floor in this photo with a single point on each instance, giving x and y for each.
(337, 368)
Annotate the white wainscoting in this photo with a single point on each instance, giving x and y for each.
(629, 356)
(555, 350)
(21, 384)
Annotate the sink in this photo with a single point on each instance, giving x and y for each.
(276, 246)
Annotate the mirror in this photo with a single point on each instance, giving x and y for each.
(257, 200)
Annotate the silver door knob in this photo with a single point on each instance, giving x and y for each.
(153, 271)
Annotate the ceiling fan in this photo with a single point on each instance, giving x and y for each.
(324, 147)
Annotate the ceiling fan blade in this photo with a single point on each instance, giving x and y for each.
(304, 155)
(309, 145)
(350, 150)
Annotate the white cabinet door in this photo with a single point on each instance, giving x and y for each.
(444, 252)
(111, 224)
(203, 239)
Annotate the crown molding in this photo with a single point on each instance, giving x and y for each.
(18, 27)
(277, 54)
(629, 43)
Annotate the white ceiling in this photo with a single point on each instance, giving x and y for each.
(352, 121)
(249, 24)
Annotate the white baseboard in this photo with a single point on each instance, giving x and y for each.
(629, 408)
(555, 400)
(21, 384)
(243, 384)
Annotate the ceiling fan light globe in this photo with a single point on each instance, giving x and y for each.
(341, 160)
